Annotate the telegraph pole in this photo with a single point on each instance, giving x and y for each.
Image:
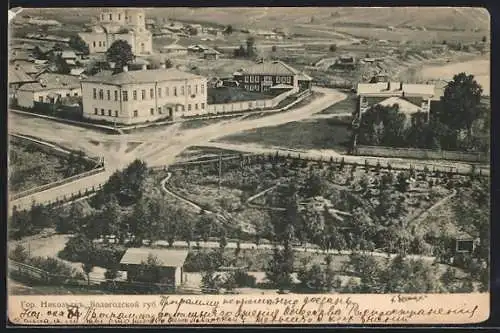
(220, 171)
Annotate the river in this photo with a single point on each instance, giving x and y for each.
(480, 68)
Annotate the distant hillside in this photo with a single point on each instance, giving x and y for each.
(270, 17)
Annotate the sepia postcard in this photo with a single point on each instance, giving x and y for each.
(264, 165)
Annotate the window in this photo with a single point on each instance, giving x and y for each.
(135, 95)
(100, 44)
(277, 79)
(152, 93)
(203, 106)
(152, 111)
(109, 95)
(102, 17)
(182, 91)
(93, 43)
(116, 113)
(159, 92)
(251, 79)
(96, 111)
(289, 79)
(95, 93)
(159, 110)
(202, 89)
(257, 79)
(101, 94)
(109, 113)
(196, 106)
(75, 94)
(166, 91)
(119, 17)
(104, 44)
(196, 89)
(125, 96)
(143, 93)
(189, 90)
(136, 113)
(67, 94)
(175, 91)
(116, 95)
(189, 107)
(111, 17)
(102, 112)
(246, 79)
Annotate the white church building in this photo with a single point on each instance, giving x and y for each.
(127, 24)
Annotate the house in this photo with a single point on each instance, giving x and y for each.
(175, 49)
(113, 24)
(77, 71)
(29, 67)
(49, 88)
(131, 97)
(17, 78)
(36, 21)
(169, 263)
(263, 76)
(211, 54)
(414, 98)
(345, 62)
(197, 49)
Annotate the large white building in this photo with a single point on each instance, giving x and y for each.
(120, 24)
(132, 97)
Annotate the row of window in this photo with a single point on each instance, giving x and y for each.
(252, 87)
(267, 78)
(40, 98)
(103, 112)
(110, 113)
(144, 93)
(101, 44)
(119, 17)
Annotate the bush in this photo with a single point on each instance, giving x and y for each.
(81, 249)
(19, 254)
(243, 279)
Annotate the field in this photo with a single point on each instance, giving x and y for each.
(30, 167)
(306, 134)
(402, 35)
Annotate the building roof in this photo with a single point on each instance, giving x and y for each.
(68, 54)
(211, 51)
(271, 68)
(395, 89)
(304, 77)
(49, 81)
(404, 105)
(175, 47)
(20, 55)
(28, 66)
(141, 76)
(166, 257)
(77, 71)
(18, 75)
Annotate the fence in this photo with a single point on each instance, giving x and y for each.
(249, 158)
(33, 275)
(421, 154)
(249, 105)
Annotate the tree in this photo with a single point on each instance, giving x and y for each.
(61, 65)
(87, 269)
(402, 182)
(77, 43)
(211, 282)
(280, 268)
(19, 254)
(228, 30)
(168, 63)
(315, 186)
(250, 52)
(240, 52)
(120, 53)
(333, 48)
(461, 103)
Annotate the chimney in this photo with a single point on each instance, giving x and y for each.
(144, 67)
(125, 68)
(400, 85)
(163, 66)
(389, 85)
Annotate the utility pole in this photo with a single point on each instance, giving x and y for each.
(220, 171)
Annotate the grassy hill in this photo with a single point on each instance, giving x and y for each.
(271, 17)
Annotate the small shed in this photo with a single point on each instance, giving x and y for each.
(211, 54)
(169, 264)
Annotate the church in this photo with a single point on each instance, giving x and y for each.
(127, 24)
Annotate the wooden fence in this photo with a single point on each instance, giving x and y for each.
(421, 153)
